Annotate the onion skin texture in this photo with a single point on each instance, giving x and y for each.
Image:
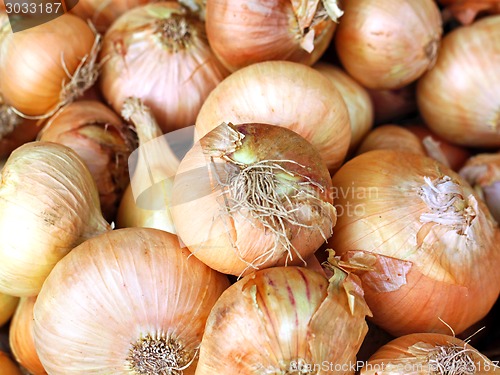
(171, 72)
(417, 354)
(267, 93)
(356, 98)
(245, 32)
(21, 339)
(8, 366)
(391, 137)
(426, 261)
(233, 234)
(102, 140)
(275, 318)
(8, 305)
(24, 54)
(388, 44)
(48, 204)
(115, 289)
(465, 110)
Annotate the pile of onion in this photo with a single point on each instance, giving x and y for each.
(244, 32)
(277, 93)
(285, 320)
(265, 198)
(387, 44)
(465, 110)
(427, 241)
(128, 301)
(159, 53)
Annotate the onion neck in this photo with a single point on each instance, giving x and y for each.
(447, 205)
(175, 33)
(159, 353)
(431, 50)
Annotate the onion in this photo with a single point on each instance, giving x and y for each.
(391, 137)
(8, 305)
(393, 105)
(276, 93)
(21, 339)
(428, 353)
(48, 204)
(103, 13)
(467, 10)
(447, 153)
(127, 302)
(285, 320)
(428, 242)
(356, 98)
(244, 32)
(457, 100)
(264, 193)
(387, 44)
(159, 53)
(51, 77)
(102, 140)
(8, 366)
(482, 171)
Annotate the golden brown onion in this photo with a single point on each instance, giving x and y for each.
(391, 137)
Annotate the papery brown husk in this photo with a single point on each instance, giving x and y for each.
(420, 273)
(103, 141)
(284, 319)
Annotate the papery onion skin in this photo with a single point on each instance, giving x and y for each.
(48, 204)
(356, 98)
(8, 366)
(44, 77)
(427, 353)
(8, 305)
(282, 319)
(276, 93)
(103, 141)
(422, 272)
(21, 337)
(245, 32)
(387, 44)
(115, 289)
(252, 225)
(459, 99)
(159, 53)
(391, 137)
(103, 13)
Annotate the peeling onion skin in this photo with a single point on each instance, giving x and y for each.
(159, 53)
(235, 232)
(459, 98)
(245, 32)
(112, 292)
(388, 44)
(273, 318)
(424, 270)
(267, 93)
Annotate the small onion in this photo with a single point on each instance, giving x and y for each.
(459, 99)
(391, 137)
(264, 196)
(8, 366)
(48, 204)
(287, 94)
(244, 32)
(103, 13)
(428, 242)
(127, 302)
(356, 98)
(21, 339)
(51, 76)
(159, 53)
(482, 171)
(387, 44)
(102, 140)
(428, 353)
(285, 320)
(8, 305)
